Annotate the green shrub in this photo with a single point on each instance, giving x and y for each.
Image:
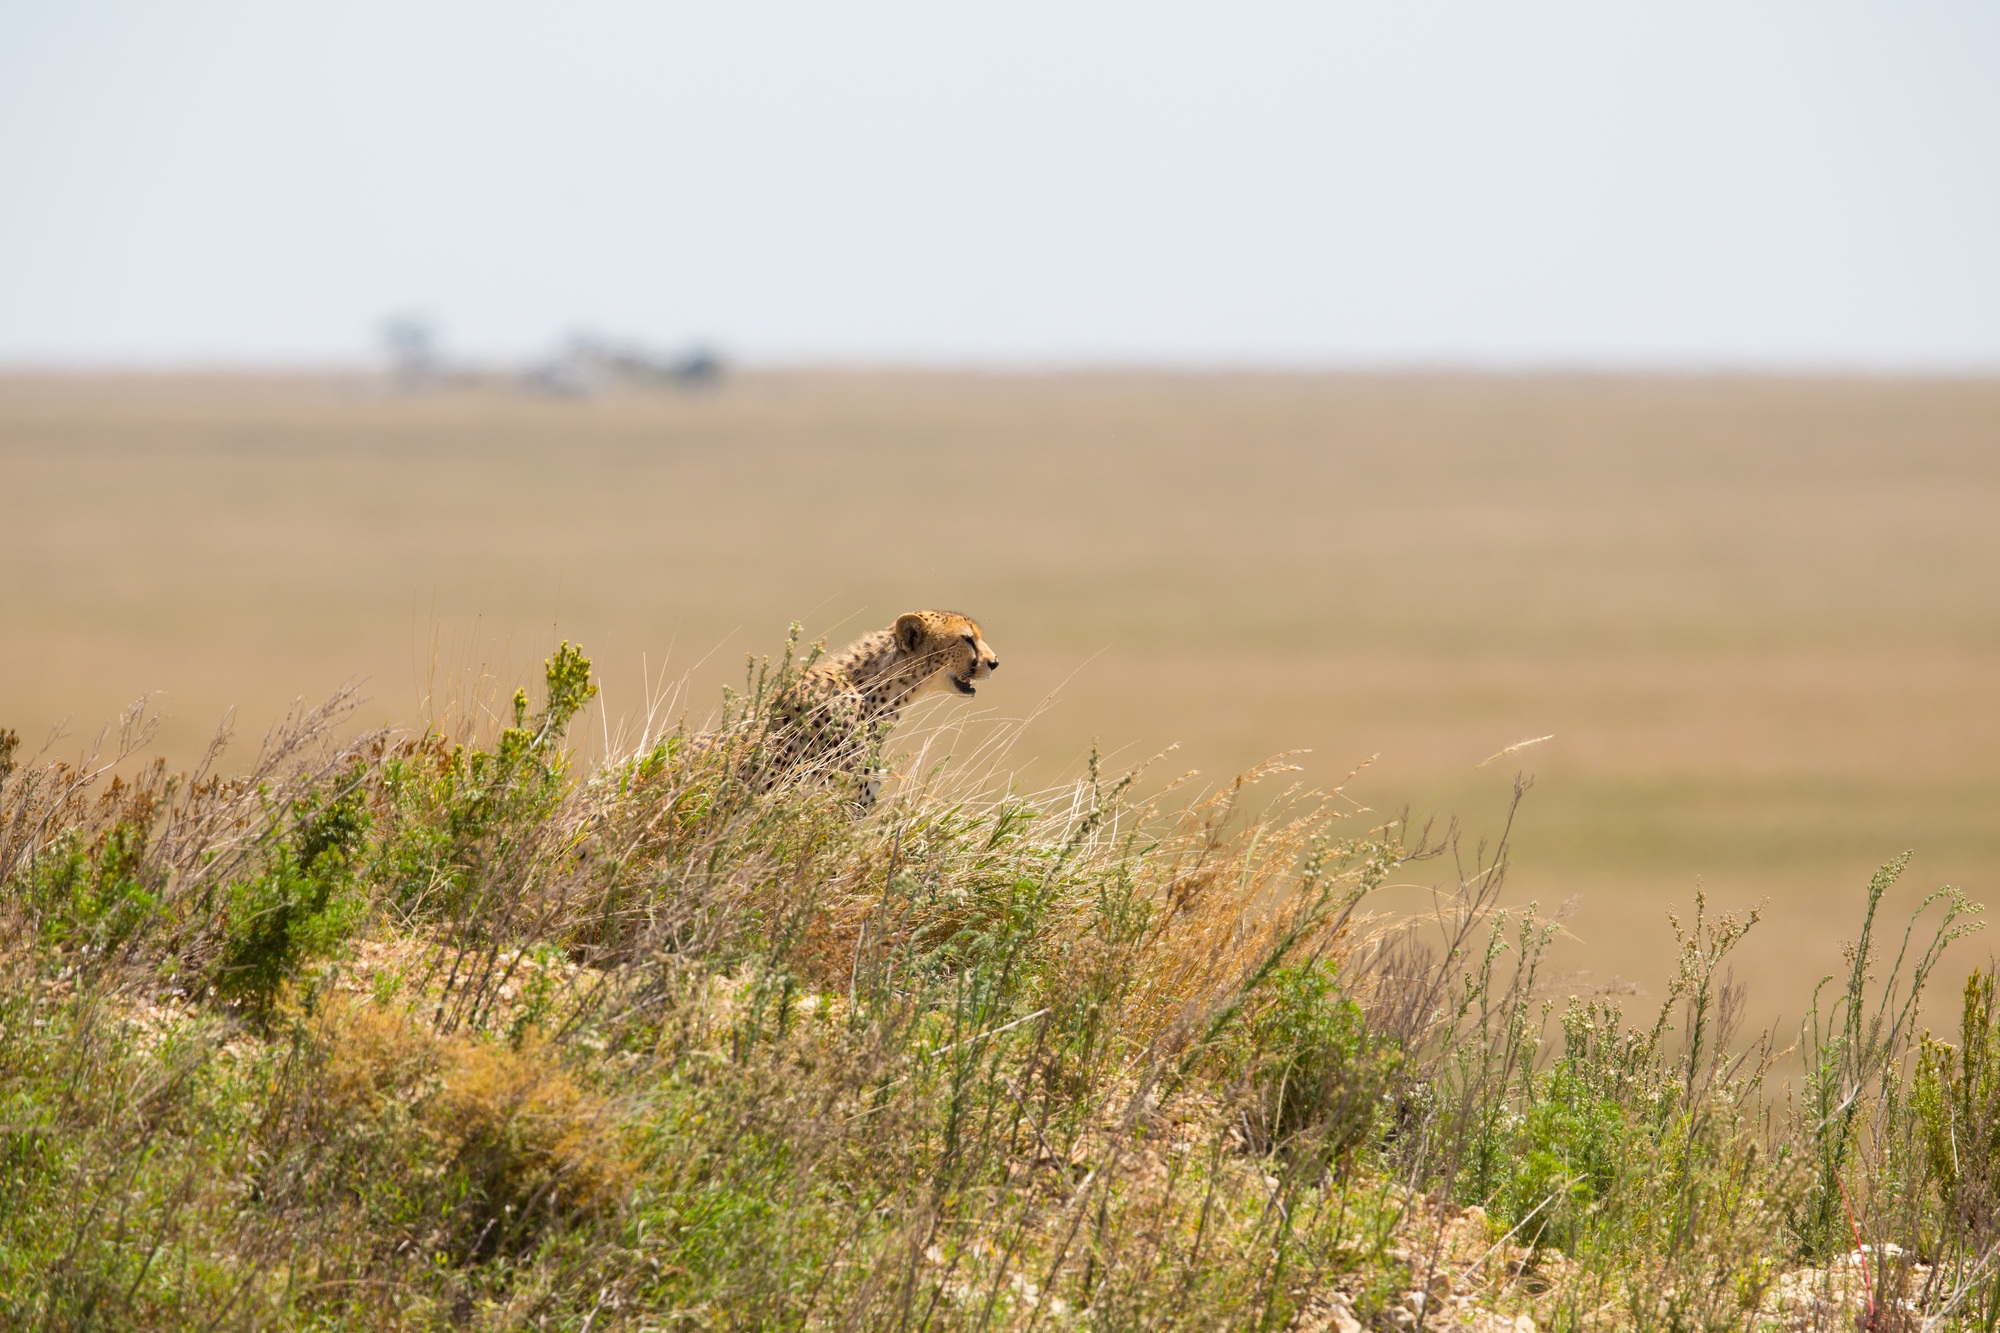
(1956, 1098)
(464, 821)
(302, 903)
(94, 893)
(1580, 1132)
(1315, 1070)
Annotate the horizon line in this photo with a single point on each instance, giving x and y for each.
(472, 372)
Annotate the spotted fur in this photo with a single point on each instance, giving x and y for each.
(836, 714)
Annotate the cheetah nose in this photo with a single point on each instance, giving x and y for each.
(992, 664)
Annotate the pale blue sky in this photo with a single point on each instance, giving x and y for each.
(1687, 185)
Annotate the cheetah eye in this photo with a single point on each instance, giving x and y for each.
(969, 641)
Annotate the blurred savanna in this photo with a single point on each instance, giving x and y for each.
(1753, 624)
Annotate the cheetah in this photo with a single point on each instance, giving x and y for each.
(835, 715)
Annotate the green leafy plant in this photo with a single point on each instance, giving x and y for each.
(302, 903)
(1582, 1131)
(1956, 1097)
(97, 892)
(1314, 1069)
(464, 820)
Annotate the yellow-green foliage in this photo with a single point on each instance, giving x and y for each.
(1957, 1099)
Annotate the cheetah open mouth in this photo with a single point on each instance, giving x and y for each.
(963, 684)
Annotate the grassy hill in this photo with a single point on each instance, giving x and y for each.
(456, 1030)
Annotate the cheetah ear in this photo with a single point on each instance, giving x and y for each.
(910, 632)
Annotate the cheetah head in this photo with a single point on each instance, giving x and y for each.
(950, 645)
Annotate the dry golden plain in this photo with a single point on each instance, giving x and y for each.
(1761, 618)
